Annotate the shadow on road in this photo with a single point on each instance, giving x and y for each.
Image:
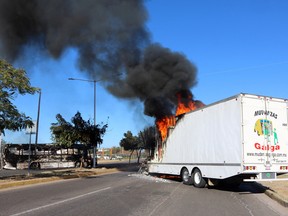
(243, 188)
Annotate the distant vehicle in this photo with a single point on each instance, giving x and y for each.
(119, 157)
(16, 156)
(241, 138)
(116, 157)
(113, 157)
(106, 157)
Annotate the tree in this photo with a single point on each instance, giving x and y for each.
(63, 132)
(88, 133)
(144, 140)
(148, 138)
(13, 82)
(78, 131)
(115, 150)
(130, 143)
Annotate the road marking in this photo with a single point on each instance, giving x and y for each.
(60, 202)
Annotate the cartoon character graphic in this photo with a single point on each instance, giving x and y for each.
(264, 127)
(275, 137)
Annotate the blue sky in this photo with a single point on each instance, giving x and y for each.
(237, 46)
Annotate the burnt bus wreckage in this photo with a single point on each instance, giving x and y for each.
(45, 156)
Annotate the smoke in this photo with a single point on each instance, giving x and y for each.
(111, 38)
(107, 34)
(157, 79)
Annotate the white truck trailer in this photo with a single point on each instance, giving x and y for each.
(244, 137)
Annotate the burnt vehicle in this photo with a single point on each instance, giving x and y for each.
(45, 156)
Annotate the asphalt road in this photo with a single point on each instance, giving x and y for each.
(131, 194)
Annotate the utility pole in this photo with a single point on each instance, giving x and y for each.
(37, 122)
(95, 145)
(1, 155)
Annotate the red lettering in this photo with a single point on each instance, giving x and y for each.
(257, 146)
(267, 147)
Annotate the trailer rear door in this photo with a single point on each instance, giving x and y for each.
(265, 133)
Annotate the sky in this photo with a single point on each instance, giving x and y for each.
(237, 47)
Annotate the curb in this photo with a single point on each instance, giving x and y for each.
(276, 197)
(273, 195)
(27, 182)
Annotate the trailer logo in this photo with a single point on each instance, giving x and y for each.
(272, 148)
(264, 127)
(266, 113)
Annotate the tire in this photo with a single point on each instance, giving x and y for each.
(185, 177)
(85, 164)
(198, 180)
(77, 164)
(34, 165)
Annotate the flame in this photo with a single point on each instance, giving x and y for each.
(163, 124)
(183, 108)
(185, 104)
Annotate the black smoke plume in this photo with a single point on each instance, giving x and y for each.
(110, 37)
(156, 80)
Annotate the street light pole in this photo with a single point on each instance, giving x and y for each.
(1, 156)
(94, 81)
(37, 122)
(95, 146)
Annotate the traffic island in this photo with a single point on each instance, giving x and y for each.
(62, 174)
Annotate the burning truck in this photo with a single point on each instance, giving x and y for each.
(238, 138)
(241, 138)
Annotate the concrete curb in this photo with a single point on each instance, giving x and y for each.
(273, 195)
(276, 197)
(13, 184)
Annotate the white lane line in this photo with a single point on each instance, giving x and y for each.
(60, 202)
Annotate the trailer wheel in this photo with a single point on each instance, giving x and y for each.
(198, 180)
(185, 177)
